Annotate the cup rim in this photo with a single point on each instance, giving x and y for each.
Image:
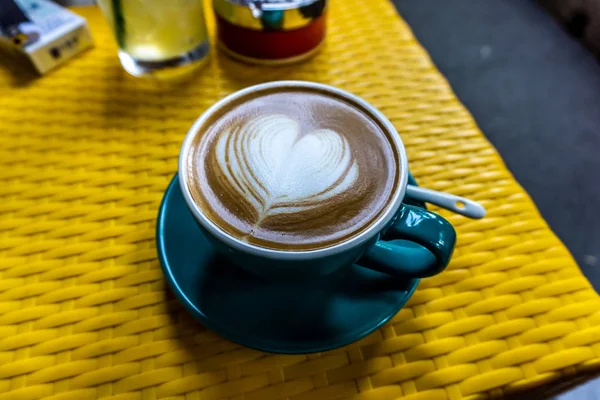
(287, 255)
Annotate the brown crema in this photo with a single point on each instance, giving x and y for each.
(292, 169)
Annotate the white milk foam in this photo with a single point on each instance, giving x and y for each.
(278, 171)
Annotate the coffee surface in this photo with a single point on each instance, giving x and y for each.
(292, 170)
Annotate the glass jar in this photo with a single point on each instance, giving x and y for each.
(270, 31)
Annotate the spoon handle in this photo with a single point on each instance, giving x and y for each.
(459, 205)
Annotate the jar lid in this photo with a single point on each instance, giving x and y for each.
(270, 15)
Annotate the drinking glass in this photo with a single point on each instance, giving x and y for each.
(158, 38)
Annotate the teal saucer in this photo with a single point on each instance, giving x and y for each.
(265, 315)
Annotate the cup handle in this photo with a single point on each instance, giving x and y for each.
(418, 244)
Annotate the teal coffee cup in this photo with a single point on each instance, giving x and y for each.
(403, 240)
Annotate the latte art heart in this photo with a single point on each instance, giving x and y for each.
(291, 170)
(279, 171)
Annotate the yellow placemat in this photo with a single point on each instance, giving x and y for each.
(85, 154)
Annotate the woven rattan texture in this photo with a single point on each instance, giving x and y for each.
(85, 155)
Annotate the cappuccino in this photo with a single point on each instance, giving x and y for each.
(292, 168)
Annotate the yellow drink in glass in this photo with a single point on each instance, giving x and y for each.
(158, 37)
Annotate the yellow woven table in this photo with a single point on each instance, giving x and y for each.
(85, 155)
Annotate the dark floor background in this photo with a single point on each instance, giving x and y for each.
(535, 93)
